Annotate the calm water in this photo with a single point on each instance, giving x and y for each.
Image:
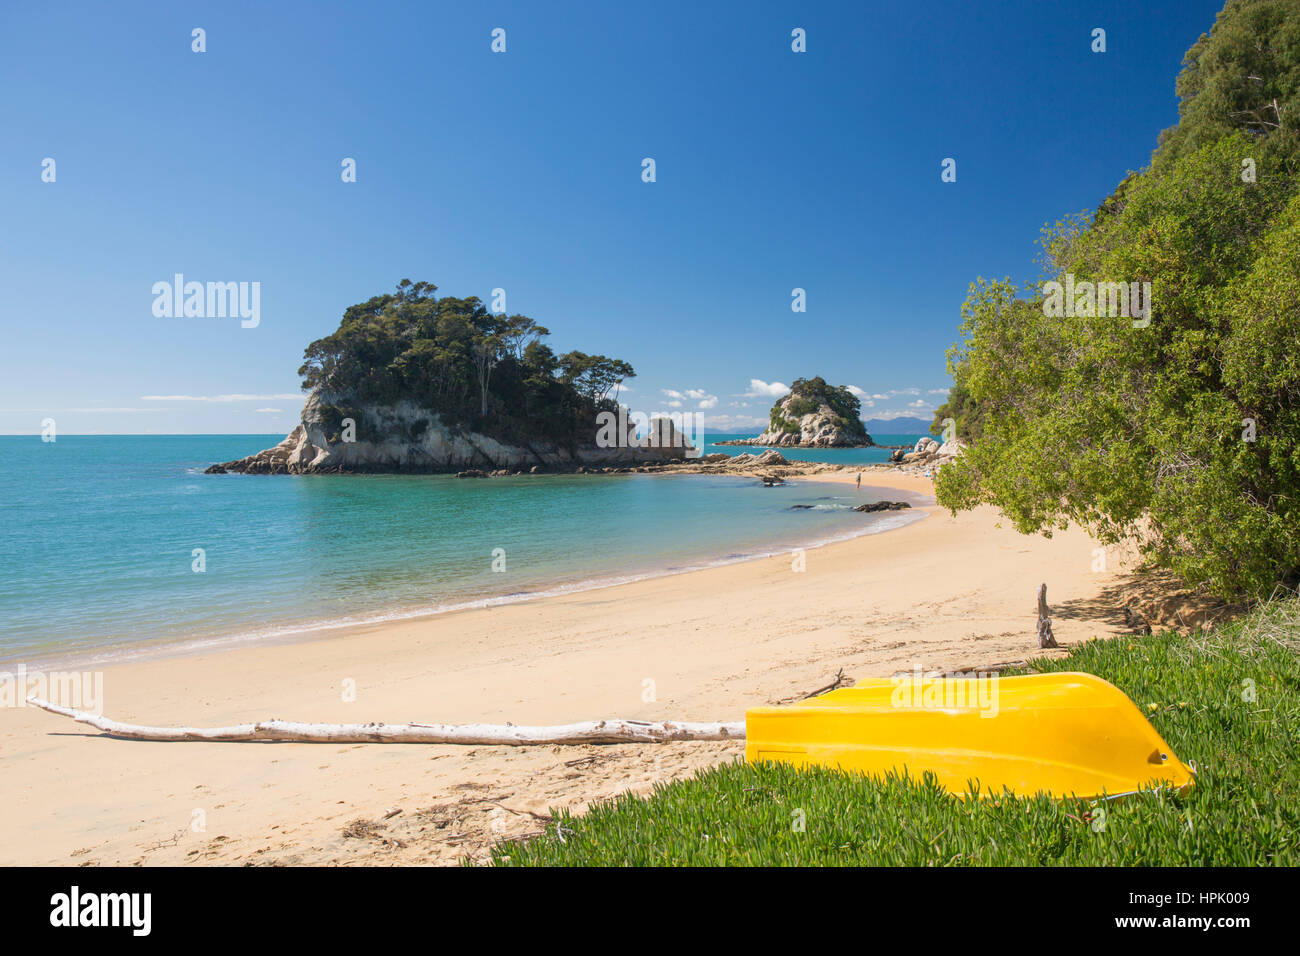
(838, 456)
(99, 534)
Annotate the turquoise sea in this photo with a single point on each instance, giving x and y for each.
(100, 534)
(839, 456)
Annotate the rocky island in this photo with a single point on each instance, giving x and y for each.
(814, 415)
(416, 383)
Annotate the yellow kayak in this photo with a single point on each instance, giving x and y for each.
(1059, 734)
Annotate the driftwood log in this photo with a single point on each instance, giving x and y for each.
(1045, 636)
(508, 735)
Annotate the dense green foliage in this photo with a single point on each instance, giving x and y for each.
(962, 408)
(476, 369)
(1243, 739)
(1180, 433)
(1244, 76)
(809, 394)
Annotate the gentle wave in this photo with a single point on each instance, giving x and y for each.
(124, 653)
(105, 538)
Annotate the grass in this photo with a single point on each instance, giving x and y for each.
(1197, 691)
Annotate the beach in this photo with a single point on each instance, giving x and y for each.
(949, 593)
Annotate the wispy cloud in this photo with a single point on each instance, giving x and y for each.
(705, 399)
(735, 423)
(282, 397)
(98, 408)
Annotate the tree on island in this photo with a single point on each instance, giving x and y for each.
(477, 370)
(807, 395)
(593, 375)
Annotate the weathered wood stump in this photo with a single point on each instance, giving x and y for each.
(1045, 636)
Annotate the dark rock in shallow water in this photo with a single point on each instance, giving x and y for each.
(800, 507)
(472, 473)
(883, 506)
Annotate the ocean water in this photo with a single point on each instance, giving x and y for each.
(838, 456)
(99, 537)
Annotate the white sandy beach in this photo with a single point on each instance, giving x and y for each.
(950, 593)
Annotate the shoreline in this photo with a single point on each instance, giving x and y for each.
(305, 631)
(943, 593)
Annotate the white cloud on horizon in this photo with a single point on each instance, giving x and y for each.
(745, 424)
(55, 411)
(221, 398)
(103, 409)
(734, 423)
(705, 399)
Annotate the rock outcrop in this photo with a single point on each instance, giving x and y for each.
(407, 438)
(928, 454)
(767, 459)
(806, 419)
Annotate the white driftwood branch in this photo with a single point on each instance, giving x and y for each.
(588, 732)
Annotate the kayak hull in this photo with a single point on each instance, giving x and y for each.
(1063, 735)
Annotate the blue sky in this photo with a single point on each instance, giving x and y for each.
(522, 170)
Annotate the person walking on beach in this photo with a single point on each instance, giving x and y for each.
(859, 481)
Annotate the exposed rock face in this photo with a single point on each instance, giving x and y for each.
(928, 455)
(768, 459)
(407, 438)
